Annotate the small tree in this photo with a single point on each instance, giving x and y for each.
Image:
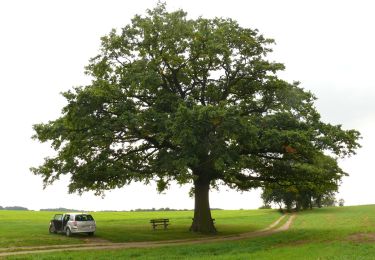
(273, 193)
(191, 101)
(320, 182)
(341, 202)
(328, 200)
(265, 206)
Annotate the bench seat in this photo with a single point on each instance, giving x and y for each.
(159, 222)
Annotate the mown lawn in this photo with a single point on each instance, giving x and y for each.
(30, 228)
(134, 226)
(329, 233)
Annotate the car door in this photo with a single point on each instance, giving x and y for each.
(65, 221)
(57, 222)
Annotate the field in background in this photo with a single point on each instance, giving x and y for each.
(328, 233)
(30, 228)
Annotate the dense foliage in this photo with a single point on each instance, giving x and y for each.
(191, 101)
(316, 189)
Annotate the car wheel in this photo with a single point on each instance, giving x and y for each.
(68, 232)
(90, 234)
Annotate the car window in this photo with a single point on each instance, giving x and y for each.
(57, 217)
(84, 217)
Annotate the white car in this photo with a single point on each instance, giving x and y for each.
(70, 223)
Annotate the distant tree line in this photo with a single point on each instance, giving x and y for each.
(168, 209)
(160, 209)
(13, 208)
(62, 209)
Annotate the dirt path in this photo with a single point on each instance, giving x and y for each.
(109, 245)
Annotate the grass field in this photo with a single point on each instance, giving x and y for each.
(328, 233)
(30, 228)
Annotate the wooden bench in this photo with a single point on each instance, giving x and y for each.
(160, 221)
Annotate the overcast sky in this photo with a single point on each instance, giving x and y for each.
(44, 45)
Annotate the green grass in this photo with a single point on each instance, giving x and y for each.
(29, 228)
(134, 226)
(328, 233)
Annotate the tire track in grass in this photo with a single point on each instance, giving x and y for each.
(271, 229)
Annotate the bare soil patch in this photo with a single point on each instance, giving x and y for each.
(94, 240)
(362, 237)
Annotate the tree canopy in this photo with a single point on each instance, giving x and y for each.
(188, 100)
(321, 179)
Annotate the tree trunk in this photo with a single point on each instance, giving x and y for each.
(288, 206)
(202, 221)
(298, 206)
(319, 201)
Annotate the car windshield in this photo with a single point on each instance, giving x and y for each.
(58, 217)
(84, 217)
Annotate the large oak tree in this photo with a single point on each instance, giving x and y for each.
(191, 101)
